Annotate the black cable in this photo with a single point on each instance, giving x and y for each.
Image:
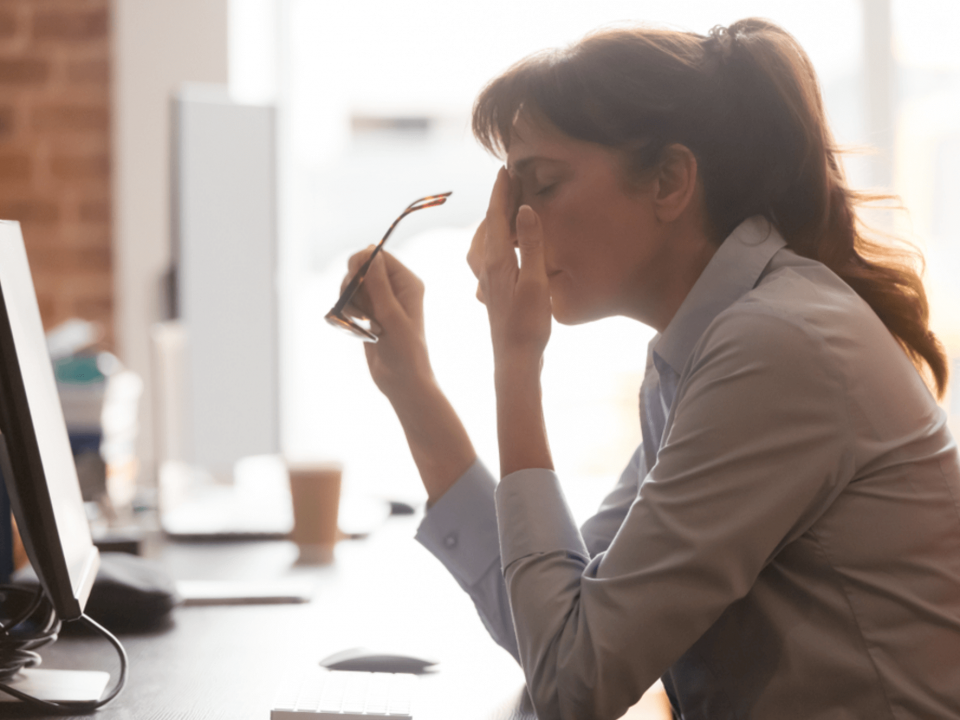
(18, 648)
(18, 641)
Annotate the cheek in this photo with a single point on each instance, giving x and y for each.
(565, 235)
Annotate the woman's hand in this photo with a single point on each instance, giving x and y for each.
(392, 297)
(518, 304)
(517, 296)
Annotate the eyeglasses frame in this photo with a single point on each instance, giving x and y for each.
(336, 316)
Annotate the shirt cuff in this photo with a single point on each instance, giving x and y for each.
(533, 517)
(460, 529)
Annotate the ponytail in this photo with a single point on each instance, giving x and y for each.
(806, 194)
(745, 100)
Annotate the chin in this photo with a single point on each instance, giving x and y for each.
(572, 308)
(570, 314)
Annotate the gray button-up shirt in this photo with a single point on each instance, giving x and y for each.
(784, 544)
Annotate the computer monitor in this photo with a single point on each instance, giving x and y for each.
(41, 480)
(35, 456)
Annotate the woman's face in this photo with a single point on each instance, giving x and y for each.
(602, 240)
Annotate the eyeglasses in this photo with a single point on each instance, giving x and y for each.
(360, 327)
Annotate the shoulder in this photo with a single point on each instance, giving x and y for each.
(799, 313)
(799, 331)
(752, 337)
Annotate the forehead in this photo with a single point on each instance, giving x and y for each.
(537, 138)
(534, 140)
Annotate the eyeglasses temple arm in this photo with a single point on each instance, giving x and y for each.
(357, 280)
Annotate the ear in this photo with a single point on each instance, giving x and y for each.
(676, 182)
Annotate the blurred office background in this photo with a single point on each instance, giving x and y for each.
(373, 100)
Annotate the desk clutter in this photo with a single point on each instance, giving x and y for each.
(258, 503)
(100, 399)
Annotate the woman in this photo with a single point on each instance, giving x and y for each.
(786, 541)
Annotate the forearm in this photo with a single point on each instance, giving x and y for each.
(521, 430)
(437, 439)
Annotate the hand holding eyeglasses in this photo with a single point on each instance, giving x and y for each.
(360, 325)
(381, 302)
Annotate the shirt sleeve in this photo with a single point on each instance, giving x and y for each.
(460, 529)
(599, 530)
(757, 447)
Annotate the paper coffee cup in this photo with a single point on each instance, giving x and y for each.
(315, 491)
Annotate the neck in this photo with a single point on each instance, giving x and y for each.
(684, 254)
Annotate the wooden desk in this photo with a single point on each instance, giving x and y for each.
(225, 662)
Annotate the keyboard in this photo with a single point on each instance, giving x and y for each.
(342, 695)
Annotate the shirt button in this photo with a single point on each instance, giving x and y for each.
(450, 540)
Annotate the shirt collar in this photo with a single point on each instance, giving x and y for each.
(733, 271)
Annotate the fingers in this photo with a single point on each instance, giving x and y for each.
(374, 296)
(406, 286)
(353, 265)
(475, 256)
(358, 306)
(475, 253)
(530, 239)
(498, 242)
(402, 280)
(492, 252)
(388, 292)
(383, 300)
(516, 294)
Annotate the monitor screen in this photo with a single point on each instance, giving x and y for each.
(35, 455)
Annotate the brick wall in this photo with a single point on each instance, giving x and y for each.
(55, 150)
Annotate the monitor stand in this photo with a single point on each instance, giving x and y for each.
(68, 686)
(51, 685)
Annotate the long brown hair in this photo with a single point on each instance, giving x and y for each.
(746, 101)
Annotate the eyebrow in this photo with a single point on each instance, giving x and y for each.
(524, 163)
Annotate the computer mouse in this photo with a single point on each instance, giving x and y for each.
(364, 660)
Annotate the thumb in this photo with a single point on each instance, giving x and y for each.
(530, 240)
(382, 297)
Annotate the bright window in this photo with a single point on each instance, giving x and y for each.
(927, 162)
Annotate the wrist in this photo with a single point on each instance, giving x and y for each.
(517, 370)
(521, 430)
(437, 439)
(402, 382)
(412, 391)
